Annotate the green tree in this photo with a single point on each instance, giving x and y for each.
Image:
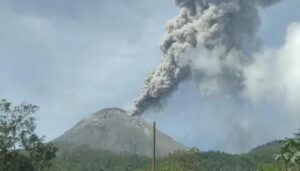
(20, 147)
(181, 160)
(290, 152)
(270, 167)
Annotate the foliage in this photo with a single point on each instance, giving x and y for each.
(194, 160)
(270, 167)
(290, 153)
(84, 159)
(20, 147)
(215, 161)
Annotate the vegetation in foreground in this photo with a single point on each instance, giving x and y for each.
(274, 156)
(20, 148)
(84, 159)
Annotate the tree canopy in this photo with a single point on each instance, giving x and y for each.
(20, 147)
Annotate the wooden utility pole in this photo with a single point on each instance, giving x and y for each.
(153, 148)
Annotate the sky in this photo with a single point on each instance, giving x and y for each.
(75, 57)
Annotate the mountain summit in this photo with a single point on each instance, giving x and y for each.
(112, 129)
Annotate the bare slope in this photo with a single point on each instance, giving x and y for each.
(112, 129)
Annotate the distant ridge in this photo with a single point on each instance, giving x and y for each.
(112, 129)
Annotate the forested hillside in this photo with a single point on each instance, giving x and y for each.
(84, 159)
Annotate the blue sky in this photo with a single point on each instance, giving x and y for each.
(73, 58)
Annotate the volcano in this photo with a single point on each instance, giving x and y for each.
(112, 129)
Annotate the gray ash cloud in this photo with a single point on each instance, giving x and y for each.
(210, 41)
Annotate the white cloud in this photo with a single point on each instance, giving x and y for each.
(276, 74)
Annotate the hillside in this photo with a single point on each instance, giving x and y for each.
(111, 140)
(83, 159)
(113, 130)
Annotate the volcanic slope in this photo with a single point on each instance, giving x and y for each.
(112, 129)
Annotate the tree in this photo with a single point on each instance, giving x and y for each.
(20, 147)
(290, 152)
(182, 160)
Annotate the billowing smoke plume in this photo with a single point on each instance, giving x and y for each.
(218, 33)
